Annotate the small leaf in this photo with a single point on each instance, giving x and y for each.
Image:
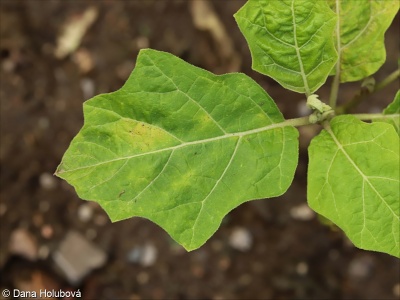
(360, 36)
(353, 180)
(181, 147)
(393, 110)
(315, 104)
(290, 41)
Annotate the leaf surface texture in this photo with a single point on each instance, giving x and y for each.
(290, 41)
(360, 35)
(180, 146)
(353, 180)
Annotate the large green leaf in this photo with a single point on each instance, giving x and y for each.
(393, 110)
(181, 147)
(360, 35)
(291, 41)
(353, 180)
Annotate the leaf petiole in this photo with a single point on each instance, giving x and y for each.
(370, 117)
(388, 80)
(297, 122)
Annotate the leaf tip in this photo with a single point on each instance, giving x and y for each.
(189, 248)
(59, 170)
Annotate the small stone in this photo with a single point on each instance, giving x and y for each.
(258, 267)
(245, 279)
(47, 181)
(396, 290)
(142, 42)
(217, 245)
(76, 257)
(124, 70)
(303, 109)
(302, 268)
(333, 254)
(3, 209)
(241, 239)
(177, 249)
(374, 109)
(197, 271)
(101, 220)
(143, 278)
(361, 267)
(302, 212)
(47, 231)
(91, 233)
(24, 244)
(85, 212)
(134, 255)
(47, 49)
(44, 206)
(44, 123)
(281, 283)
(200, 256)
(44, 252)
(145, 255)
(60, 105)
(88, 87)
(149, 255)
(83, 58)
(73, 31)
(8, 65)
(224, 263)
(37, 219)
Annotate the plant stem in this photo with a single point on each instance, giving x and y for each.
(368, 117)
(389, 79)
(334, 90)
(297, 122)
(303, 121)
(359, 97)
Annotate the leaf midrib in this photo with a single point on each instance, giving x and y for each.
(303, 75)
(186, 144)
(338, 40)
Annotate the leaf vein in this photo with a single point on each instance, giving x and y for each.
(214, 187)
(111, 177)
(186, 144)
(302, 72)
(155, 178)
(179, 90)
(340, 146)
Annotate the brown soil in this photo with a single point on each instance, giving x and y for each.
(41, 111)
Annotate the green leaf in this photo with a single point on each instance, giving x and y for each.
(181, 147)
(353, 180)
(315, 104)
(360, 36)
(290, 41)
(393, 109)
(392, 113)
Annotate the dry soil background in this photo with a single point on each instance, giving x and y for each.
(50, 239)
